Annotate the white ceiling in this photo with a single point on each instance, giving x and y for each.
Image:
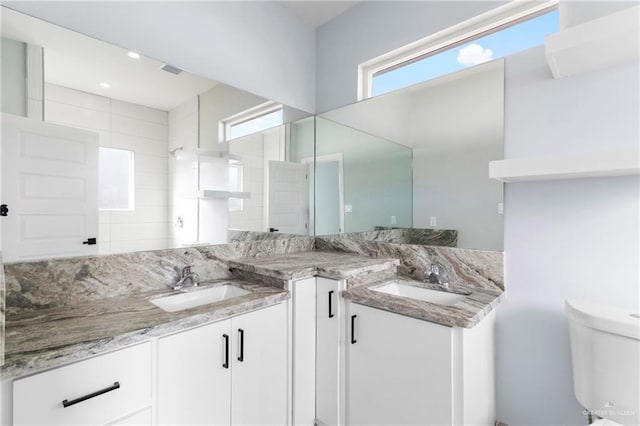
(317, 12)
(80, 62)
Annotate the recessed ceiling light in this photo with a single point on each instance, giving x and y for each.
(105, 85)
(134, 55)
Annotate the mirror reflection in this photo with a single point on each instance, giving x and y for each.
(160, 172)
(451, 127)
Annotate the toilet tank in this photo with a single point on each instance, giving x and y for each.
(605, 355)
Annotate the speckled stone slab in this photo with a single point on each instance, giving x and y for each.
(476, 304)
(465, 268)
(308, 264)
(72, 281)
(424, 236)
(2, 297)
(57, 336)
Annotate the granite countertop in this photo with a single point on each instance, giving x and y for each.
(46, 338)
(477, 303)
(314, 263)
(50, 337)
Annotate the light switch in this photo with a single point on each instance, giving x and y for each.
(348, 208)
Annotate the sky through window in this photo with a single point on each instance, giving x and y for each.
(499, 44)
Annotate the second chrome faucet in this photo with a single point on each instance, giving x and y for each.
(437, 275)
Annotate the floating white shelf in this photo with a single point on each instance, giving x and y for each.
(205, 155)
(583, 166)
(213, 194)
(598, 44)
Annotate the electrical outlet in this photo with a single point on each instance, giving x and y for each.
(393, 220)
(500, 208)
(433, 221)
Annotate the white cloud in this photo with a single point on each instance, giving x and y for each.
(474, 54)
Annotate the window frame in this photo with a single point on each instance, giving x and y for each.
(131, 181)
(238, 165)
(224, 128)
(479, 26)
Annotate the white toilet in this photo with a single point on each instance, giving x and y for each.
(605, 354)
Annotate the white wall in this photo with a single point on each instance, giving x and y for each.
(183, 174)
(563, 239)
(372, 28)
(258, 46)
(126, 126)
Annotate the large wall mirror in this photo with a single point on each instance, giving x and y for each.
(179, 159)
(182, 160)
(422, 166)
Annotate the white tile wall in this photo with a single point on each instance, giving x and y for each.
(129, 126)
(183, 174)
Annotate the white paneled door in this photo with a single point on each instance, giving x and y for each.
(288, 197)
(50, 185)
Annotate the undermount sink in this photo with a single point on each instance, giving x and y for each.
(179, 302)
(399, 288)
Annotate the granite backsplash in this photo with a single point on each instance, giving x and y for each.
(465, 267)
(62, 282)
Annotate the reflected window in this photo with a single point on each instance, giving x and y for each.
(115, 179)
(494, 38)
(257, 119)
(235, 185)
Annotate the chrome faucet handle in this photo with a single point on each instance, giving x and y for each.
(186, 271)
(438, 275)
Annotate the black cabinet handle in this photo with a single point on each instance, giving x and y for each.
(241, 356)
(67, 403)
(4, 210)
(273, 230)
(353, 329)
(226, 351)
(90, 241)
(330, 309)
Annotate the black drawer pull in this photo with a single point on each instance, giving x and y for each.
(330, 309)
(353, 329)
(241, 356)
(226, 351)
(66, 403)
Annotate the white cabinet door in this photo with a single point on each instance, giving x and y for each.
(141, 418)
(194, 376)
(399, 369)
(304, 351)
(50, 183)
(259, 376)
(328, 320)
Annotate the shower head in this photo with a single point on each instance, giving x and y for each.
(173, 151)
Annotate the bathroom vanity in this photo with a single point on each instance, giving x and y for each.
(308, 338)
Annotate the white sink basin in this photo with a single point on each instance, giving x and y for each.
(398, 288)
(178, 302)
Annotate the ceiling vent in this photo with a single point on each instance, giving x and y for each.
(171, 69)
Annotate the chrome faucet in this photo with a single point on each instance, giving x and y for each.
(437, 275)
(187, 276)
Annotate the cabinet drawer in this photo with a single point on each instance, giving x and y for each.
(124, 377)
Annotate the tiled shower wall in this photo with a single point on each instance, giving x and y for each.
(128, 126)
